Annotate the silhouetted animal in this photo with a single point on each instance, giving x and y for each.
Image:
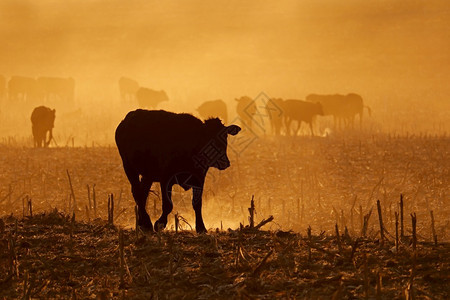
(246, 109)
(148, 98)
(57, 89)
(160, 146)
(42, 121)
(300, 111)
(214, 108)
(274, 109)
(343, 108)
(23, 89)
(2, 87)
(128, 88)
(354, 106)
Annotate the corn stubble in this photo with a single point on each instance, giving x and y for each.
(340, 217)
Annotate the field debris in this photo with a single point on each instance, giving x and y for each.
(51, 255)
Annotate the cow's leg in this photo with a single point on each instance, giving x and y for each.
(140, 190)
(197, 205)
(299, 124)
(50, 137)
(145, 186)
(360, 119)
(311, 127)
(167, 205)
(287, 122)
(39, 139)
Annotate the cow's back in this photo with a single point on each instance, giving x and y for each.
(150, 98)
(214, 108)
(127, 85)
(355, 104)
(43, 117)
(302, 110)
(157, 138)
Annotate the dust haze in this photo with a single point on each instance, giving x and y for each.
(396, 55)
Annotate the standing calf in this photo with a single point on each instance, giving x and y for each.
(42, 120)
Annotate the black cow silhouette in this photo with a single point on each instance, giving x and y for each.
(42, 121)
(170, 148)
(148, 98)
(128, 88)
(214, 108)
(300, 111)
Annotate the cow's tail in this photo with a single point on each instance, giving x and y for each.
(369, 110)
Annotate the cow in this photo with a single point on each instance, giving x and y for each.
(2, 87)
(355, 106)
(214, 108)
(343, 108)
(23, 89)
(246, 109)
(148, 98)
(170, 148)
(128, 88)
(57, 89)
(42, 120)
(275, 113)
(300, 111)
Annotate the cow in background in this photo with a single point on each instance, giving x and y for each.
(23, 89)
(128, 88)
(300, 111)
(57, 89)
(354, 105)
(246, 110)
(42, 121)
(170, 148)
(148, 98)
(214, 108)
(343, 108)
(275, 112)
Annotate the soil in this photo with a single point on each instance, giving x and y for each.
(49, 255)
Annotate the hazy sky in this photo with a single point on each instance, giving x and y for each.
(214, 49)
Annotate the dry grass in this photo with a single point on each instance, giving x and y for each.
(306, 181)
(58, 258)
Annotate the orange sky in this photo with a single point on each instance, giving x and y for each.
(223, 49)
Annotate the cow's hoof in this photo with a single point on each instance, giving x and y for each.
(201, 229)
(146, 227)
(160, 225)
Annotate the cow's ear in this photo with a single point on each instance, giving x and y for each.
(54, 111)
(233, 129)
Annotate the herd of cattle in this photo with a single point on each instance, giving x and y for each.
(187, 147)
(33, 90)
(284, 116)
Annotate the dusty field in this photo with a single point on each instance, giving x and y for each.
(49, 256)
(303, 181)
(328, 181)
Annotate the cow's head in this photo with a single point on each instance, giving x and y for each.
(163, 96)
(214, 150)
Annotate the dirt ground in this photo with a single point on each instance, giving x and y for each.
(319, 182)
(51, 256)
